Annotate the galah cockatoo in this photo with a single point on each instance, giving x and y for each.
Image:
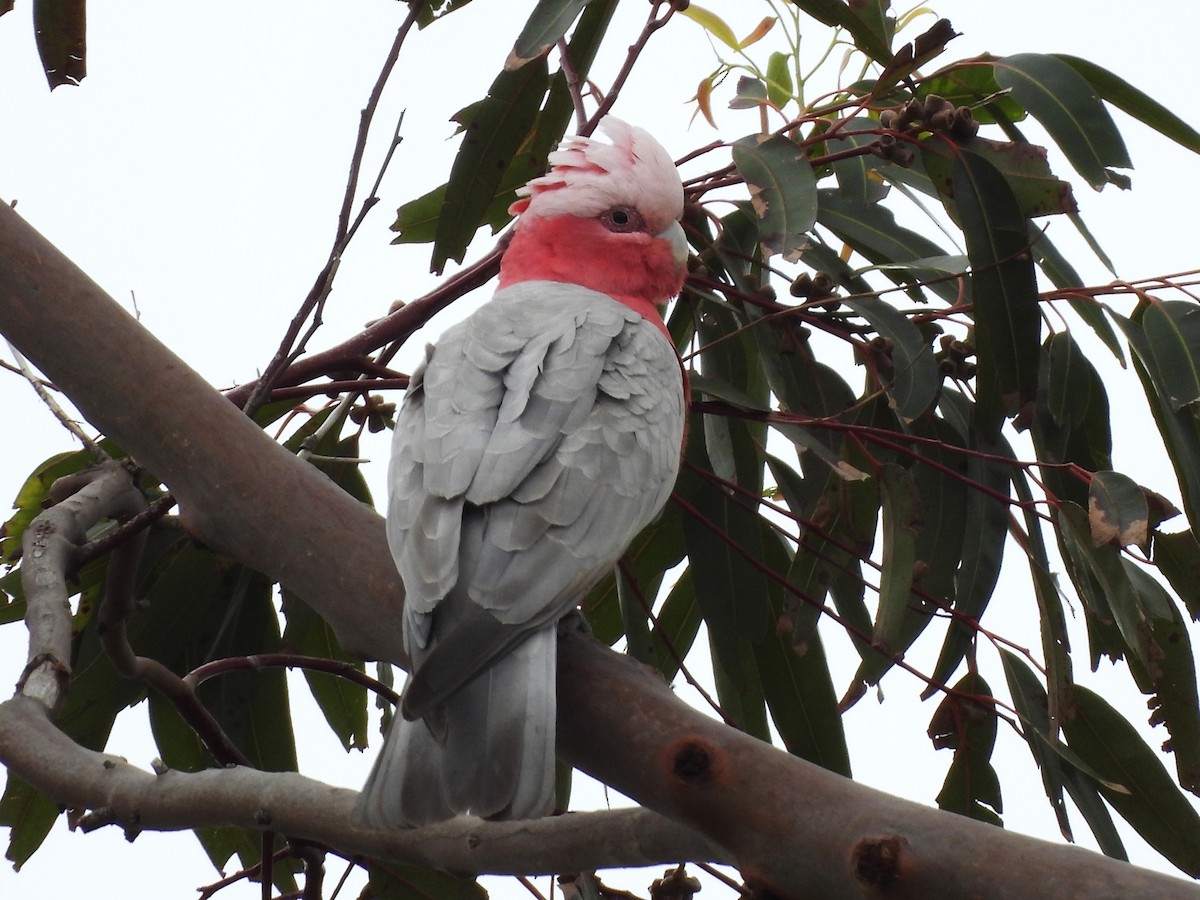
(536, 440)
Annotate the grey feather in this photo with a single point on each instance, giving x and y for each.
(538, 438)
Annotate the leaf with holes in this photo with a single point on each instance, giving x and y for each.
(782, 189)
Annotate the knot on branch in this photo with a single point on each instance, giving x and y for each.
(696, 762)
(878, 860)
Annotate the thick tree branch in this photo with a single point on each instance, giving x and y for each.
(794, 829)
(234, 485)
(300, 807)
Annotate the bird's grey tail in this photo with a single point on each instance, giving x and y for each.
(489, 751)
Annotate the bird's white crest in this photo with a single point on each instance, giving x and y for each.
(589, 176)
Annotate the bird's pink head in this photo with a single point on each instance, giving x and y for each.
(606, 216)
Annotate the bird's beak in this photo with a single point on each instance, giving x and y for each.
(673, 235)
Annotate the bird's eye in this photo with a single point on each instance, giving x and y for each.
(622, 219)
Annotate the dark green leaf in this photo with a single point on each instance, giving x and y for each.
(1056, 648)
(984, 531)
(495, 131)
(1141, 791)
(1172, 674)
(252, 707)
(868, 23)
(676, 626)
(872, 230)
(1067, 106)
(1118, 511)
(972, 787)
(854, 173)
(732, 593)
(751, 93)
(1029, 700)
(782, 188)
(1129, 99)
(396, 882)
(635, 619)
(914, 376)
(60, 28)
(1178, 427)
(547, 23)
(1003, 289)
(1173, 337)
(799, 691)
(29, 814)
(1178, 558)
(739, 687)
(1024, 167)
(902, 615)
(1115, 598)
(342, 702)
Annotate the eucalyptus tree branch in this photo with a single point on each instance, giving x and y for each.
(285, 802)
(793, 828)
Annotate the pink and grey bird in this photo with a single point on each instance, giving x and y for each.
(537, 439)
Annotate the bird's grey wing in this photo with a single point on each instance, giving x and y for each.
(601, 449)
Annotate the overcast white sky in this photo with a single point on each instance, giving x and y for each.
(201, 165)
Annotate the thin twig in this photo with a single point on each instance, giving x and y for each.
(288, 348)
(653, 24)
(39, 387)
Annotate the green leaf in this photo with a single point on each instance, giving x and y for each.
(972, 83)
(1024, 166)
(60, 29)
(984, 531)
(1178, 427)
(1172, 675)
(1029, 700)
(676, 626)
(1118, 511)
(29, 814)
(972, 787)
(872, 230)
(779, 79)
(914, 377)
(1173, 337)
(733, 594)
(495, 131)
(342, 702)
(1142, 791)
(868, 22)
(782, 189)
(546, 25)
(854, 173)
(252, 707)
(396, 882)
(1067, 106)
(1130, 100)
(1178, 558)
(1116, 599)
(799, 692)
(902, 615)
(33, 493)
(1056, 648)
(1003, 290)
(751, 93)
(739, 687)
(417, 220)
